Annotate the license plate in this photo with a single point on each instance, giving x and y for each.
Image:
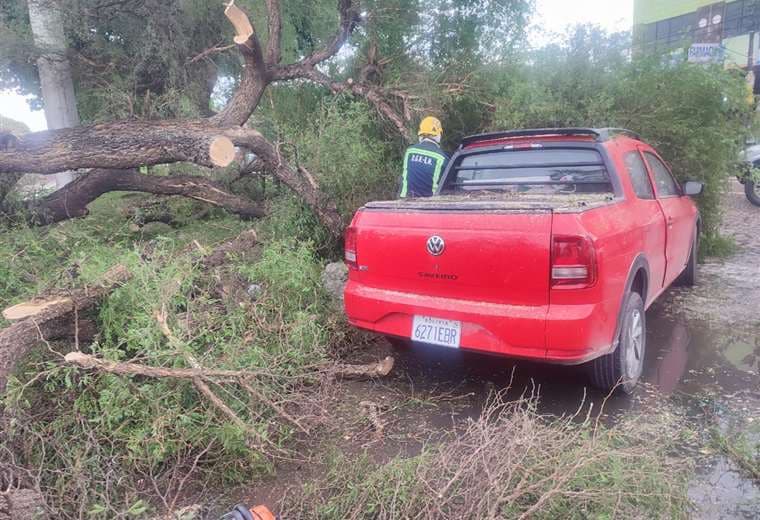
(445, 333)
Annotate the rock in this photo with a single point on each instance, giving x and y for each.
(255, 291)
(334, 278)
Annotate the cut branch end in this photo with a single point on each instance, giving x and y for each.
(239, 20)
(221, 151)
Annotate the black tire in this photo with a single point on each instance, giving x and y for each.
(752, 190)
(622, 368)
(688, 278)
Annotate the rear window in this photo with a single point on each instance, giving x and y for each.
(570, 170)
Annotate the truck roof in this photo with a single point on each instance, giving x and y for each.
(584, 134)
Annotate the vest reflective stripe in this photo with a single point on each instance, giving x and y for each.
(439, 161)
(405, 182)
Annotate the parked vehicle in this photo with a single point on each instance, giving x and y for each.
(540, 244)
(751, 161)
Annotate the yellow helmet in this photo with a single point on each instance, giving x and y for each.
(431, 126)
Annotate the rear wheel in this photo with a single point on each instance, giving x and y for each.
(622, 368)
(752, 189)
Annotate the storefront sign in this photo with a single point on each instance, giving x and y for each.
(706, 53)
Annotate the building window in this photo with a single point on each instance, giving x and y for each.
(739, 18)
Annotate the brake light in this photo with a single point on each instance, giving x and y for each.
(350, 248)
(573, 262)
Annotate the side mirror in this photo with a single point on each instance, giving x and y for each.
(693, 188)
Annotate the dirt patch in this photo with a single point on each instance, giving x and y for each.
(728, 293)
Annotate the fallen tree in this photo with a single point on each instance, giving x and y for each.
(72, 200)
(210, 142)
(49, 319)
(21, 503)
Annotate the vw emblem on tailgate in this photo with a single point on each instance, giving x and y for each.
(435, 245)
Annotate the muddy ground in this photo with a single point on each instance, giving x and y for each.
(703, 366)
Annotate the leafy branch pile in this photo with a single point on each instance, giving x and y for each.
(511, 463)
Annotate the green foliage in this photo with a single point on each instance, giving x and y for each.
(694, 116)
(716, 245)
(341, 143)
(95, 435)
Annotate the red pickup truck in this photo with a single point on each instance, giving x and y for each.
(542, 244)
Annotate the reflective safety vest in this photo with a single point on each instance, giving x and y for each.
(424, 163)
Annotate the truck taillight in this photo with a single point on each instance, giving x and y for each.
(573, 262)
(350, 248)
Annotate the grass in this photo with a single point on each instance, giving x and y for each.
(510, 463)
(717, 246)
(741, 447)
(112, 445)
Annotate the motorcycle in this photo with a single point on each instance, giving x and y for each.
(749, 174)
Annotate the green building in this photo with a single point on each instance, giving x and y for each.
(696, 26)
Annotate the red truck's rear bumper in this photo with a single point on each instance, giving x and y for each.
(563, 334)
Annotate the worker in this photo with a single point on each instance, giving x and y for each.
(424, 162)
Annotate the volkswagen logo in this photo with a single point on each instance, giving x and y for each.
(435, 245)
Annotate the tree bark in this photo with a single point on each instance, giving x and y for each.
(118, 145)
(51, 321)
(54, 70)
(130, 144)
(17, 504)
(72, 200)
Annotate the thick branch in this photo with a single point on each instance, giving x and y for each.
(349, 18)
(130, 144)
(274, 23)
(21, 503)
(72, 200)
(304, 185)
(119, 145)
(50, 321)
(255, 75)
(372, 370)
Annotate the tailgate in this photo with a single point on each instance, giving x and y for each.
(483, 256)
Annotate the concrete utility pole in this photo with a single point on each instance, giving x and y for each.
(55, 71)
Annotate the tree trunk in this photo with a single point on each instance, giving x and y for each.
(44, 321)
(120, 145)
(17, 504)
(55, 72)
(72, 200)
(129, 144)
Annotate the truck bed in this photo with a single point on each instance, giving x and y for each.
(496, 202)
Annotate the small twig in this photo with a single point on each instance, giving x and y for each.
(208, 52)
(136, 369)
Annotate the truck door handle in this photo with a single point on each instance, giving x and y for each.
(670, 221)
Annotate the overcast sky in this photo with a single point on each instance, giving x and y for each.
(551, 19)
(554, 16)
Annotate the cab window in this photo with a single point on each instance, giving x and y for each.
(642, 186)
(666, 184)
(557, 170)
